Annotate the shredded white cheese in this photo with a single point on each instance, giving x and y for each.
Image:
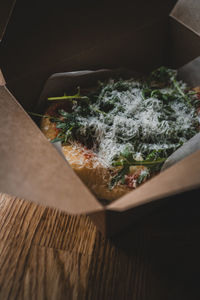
(135, 118)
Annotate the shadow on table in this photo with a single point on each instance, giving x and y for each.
(168, 241)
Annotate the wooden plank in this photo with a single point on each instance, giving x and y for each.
(46, 254)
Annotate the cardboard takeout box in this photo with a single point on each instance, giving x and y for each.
(138, 36)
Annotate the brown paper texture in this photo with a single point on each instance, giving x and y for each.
(31, 167)
(190, 73)
(2, 80)
(187, 12)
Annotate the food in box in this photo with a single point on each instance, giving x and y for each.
(118, 134)
(30, 166)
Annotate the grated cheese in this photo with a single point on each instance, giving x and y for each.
(141, 124)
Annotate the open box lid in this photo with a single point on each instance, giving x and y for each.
(6, 7)
(187, 12)
(32, 169)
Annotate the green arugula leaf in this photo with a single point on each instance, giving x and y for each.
(77, 96)
(119, 177)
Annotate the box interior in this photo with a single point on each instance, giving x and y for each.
(5, 13)
(39, 42)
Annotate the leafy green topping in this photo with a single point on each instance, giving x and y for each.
(142, 177)
(77, 96)
(120, 177)
(131, 122)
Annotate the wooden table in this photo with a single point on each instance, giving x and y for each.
(46, 254)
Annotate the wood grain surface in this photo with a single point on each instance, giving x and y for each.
(46, 254)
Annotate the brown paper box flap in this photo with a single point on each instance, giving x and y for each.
(2, 80)
(31, 168)
(183, 176)
(190, 72)
(187, 12)
(189, 147)
(6, 7)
